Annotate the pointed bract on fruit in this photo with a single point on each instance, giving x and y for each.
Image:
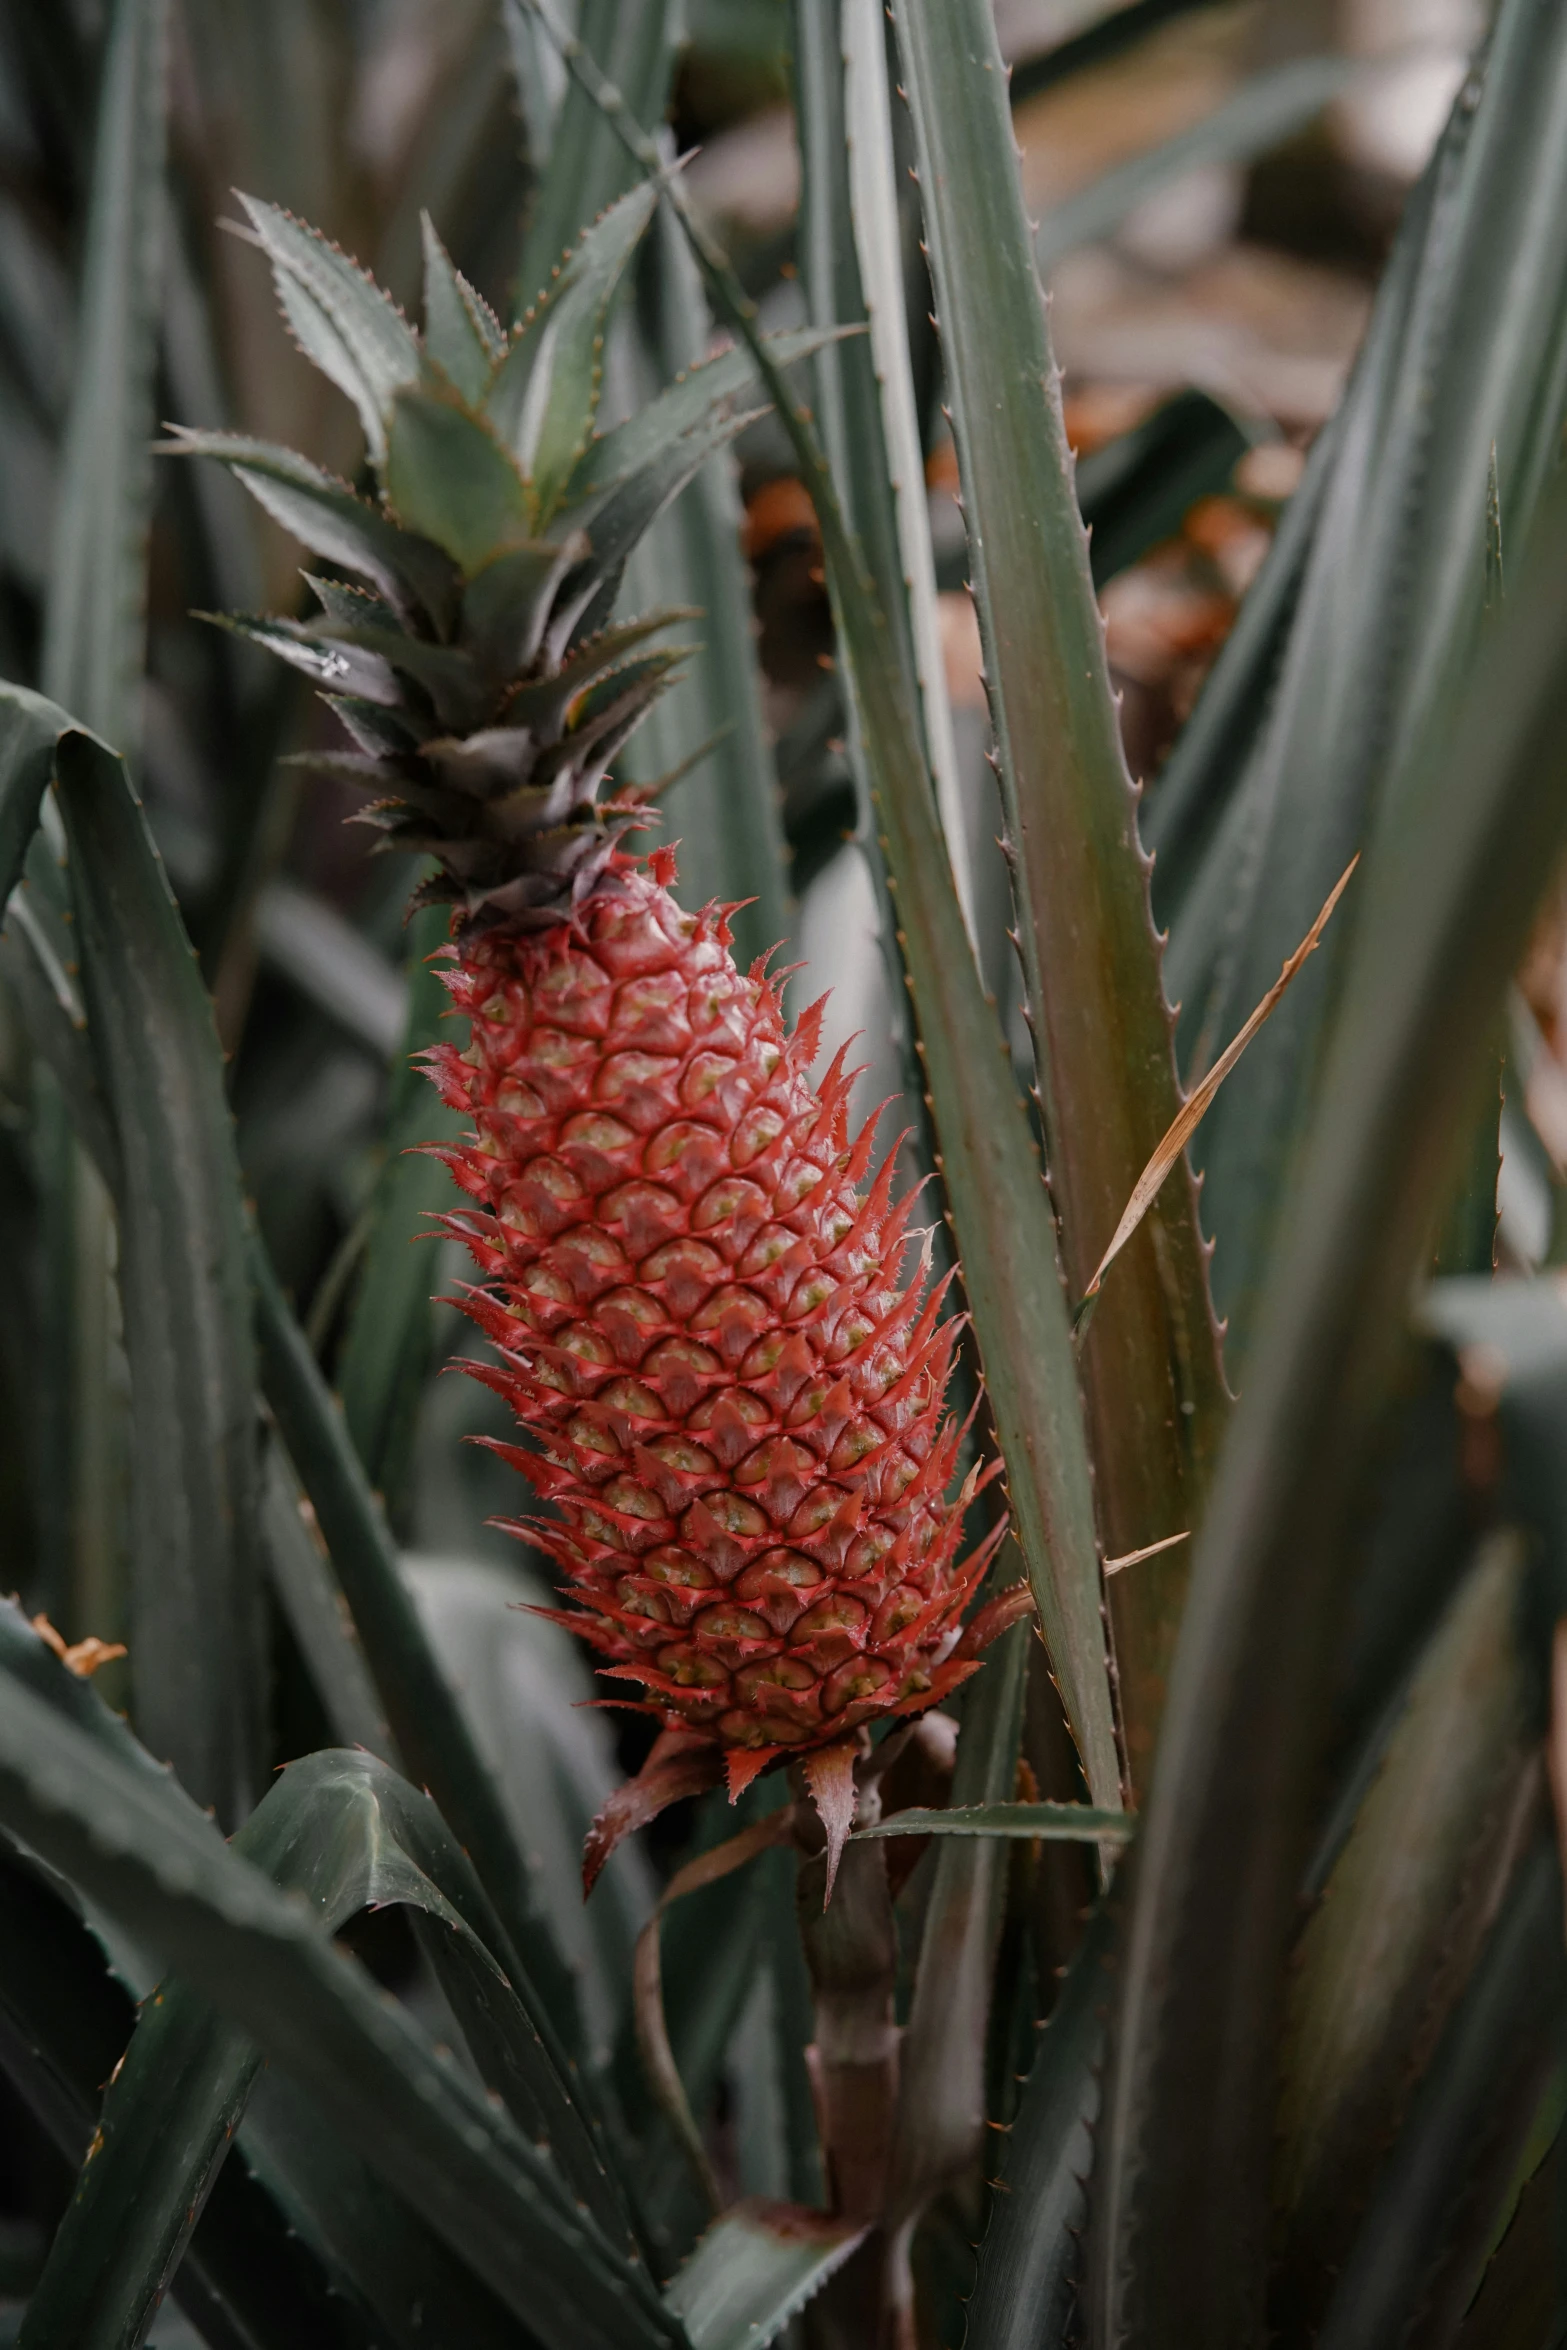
(730, 1374)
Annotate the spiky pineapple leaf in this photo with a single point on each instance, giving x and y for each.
(352, 331)
(1069, 1823)
(618, 518)
(846, 398)
(753, 2270)
(1031, 2252)
(385, 1354)
(336, 668)
(1423, 2241)
(448, 478)
(689, 404)
(1221, 1844)
(347, 1834)
(249, 2276)
(27, 750)
(724, 809)
(461, 333)
(1461, 354)
(1196, 785)
(583, 165)
(1152, 1376)
(941, 2075)
(991, 1171)
(261, 1958)
(545, 393)
(416, 577)
(183, 1277)
(878, 240)
(317, 1614)
(95, 622)
(372, 2247)
(1400, 1918)
(426, 1719)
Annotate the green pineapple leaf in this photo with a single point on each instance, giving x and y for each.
(1446, 909)
(251, 2267)
(703, 749)
(1422, 2244)
(508, 601)
(941, 2079)
(1025, 2292)
(448, 477)
(417, 577)
(1460, 356)
(182, 1268)
(352, 331)
(309, 1595)
(425, 1717)
(1153, 1380)
(348, 1835)
(461, 332)
(619, 517)
(753, 2270)
(690, 404)
(489, 2191)
(546, 391)
(1406, 1903)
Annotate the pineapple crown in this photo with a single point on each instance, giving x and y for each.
(472, 657)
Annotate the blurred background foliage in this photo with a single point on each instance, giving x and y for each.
(1218, 189)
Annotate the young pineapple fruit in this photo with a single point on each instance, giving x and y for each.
(733, 1398)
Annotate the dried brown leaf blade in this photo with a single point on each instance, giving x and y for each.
(1197, 1103)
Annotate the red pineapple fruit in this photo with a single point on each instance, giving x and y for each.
(735, 1395)
(733, 1392)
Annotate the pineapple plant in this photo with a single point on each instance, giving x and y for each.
(884, 2036)
(735, 1396)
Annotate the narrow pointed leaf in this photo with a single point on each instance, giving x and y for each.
(1424, 2238)
(1400, 1919)
(354, 333)
(753, 2270)
(348, 1835)
(689, 404)
(1072, 1823)
(546, 391)
(371, 2247)
(324, 515)
(261, 1957)
(460, 334)
(724, 809)
(1464, 351)
(183, 1277)
(95, 626)
(1222, 1840)
(436, 1742)
(385, 1354)
(307, 1591)
(878, 244)
(448, 478)
(249, 2277)
(941, 2085)
(587, 165)
(1152, 1378)
(1031, 2253)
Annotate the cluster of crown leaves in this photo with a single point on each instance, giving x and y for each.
(476, 669)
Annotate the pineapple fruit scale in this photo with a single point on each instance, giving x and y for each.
(732, 1398)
